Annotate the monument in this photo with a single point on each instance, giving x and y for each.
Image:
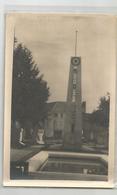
(73, 122)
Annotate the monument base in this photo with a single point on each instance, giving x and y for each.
(71, 143)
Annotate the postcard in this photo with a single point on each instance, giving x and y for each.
(59, 112)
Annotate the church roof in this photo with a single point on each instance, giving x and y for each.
(58, 106)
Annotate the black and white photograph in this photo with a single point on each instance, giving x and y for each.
(59, 110)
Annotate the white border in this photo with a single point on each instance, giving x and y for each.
(7, 124)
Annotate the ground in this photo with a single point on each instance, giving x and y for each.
(24, 153)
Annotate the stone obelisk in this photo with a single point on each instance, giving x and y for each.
(73, 122)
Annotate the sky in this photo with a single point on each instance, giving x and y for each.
(51, 39)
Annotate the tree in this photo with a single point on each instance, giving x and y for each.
(29, 91)
(101, 115)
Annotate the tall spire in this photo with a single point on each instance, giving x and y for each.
(76, 42)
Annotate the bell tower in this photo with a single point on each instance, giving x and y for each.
(73, 122)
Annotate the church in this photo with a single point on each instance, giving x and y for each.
(55, 124)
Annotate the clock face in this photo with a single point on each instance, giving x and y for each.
(75, 60)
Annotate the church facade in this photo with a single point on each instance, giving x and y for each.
(55, 124)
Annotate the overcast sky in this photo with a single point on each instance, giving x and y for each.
(51, 38)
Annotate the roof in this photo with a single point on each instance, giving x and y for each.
(58, 106)
(87, 116)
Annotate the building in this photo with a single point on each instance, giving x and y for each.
(56, 119)
(55, 124)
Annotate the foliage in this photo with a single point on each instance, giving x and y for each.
(101, 115)
(29, 91)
